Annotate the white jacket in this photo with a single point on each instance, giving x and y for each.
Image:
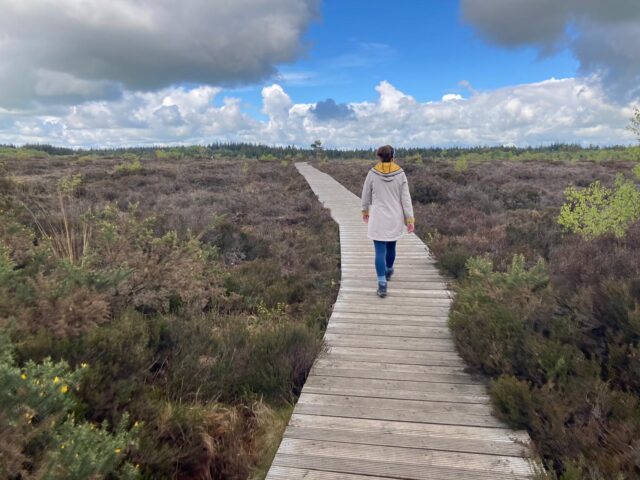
(386, 199)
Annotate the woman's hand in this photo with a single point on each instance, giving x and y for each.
(411, 228)
(365, 218)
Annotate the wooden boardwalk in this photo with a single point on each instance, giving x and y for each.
(390, 399)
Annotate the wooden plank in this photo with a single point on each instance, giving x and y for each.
(401, 405)
(386, 469)
(413, 429)
(474, 462)
(415, 331)
(394, 297)
(348, 286)
(399, 395)
(396, 343)
(420, 287)
(380, 307)
(419, 415)
(370, 317)
(397, 371)
(370, 388)
(384, 386)
(366, 277)
(388, 355)
(287, 473)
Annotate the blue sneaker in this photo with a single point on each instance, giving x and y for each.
(382, 290)
(389, 273)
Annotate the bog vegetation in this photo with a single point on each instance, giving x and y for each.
(160, 307)
(158, 313)
(544, 256)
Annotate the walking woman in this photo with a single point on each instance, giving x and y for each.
(386, 208)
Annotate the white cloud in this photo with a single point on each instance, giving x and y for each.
(172, 115)
(565, 110)
(65, 51)
(451, 97)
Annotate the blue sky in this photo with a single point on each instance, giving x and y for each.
(351, 73)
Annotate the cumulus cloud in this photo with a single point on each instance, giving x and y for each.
(565, 110)
(327, 110)
(72, 50)
(603, 35)
(171, 115)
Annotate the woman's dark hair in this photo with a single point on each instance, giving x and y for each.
(385, 153)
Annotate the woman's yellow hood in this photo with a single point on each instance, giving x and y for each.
(387, 167)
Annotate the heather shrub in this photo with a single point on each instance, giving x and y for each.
(453, 259)
(490, 311)
(519, 197)
(551, 355)
(513, 400)
(429, 190)
(235, 243)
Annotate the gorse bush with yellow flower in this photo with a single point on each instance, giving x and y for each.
(38, 402)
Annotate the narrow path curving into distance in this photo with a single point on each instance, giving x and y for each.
(390, 399)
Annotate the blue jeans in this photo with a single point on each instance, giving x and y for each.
(385, 256)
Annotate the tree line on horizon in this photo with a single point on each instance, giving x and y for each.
(256, 150)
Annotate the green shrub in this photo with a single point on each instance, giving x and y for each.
(39, 431)
(69, 185)
(22, 153)
(135, 166)
(634, 126)
(87, 158)
(598, 210)
(461, 164)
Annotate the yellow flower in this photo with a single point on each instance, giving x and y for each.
(117, 450)
(136, 423)
(84, 365)
(64, 389)
(56, 379)
(62, 446)
(23, 376)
